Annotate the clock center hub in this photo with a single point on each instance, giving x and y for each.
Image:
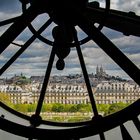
(61, 10)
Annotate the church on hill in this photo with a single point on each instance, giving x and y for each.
(100, 72)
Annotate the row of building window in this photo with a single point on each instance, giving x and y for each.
(100, 98)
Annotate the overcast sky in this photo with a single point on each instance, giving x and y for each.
(35, 58)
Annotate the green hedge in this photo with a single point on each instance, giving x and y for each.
(105, 109)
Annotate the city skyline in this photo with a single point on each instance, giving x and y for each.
(94, 72)
(34, 61)
(100, 73)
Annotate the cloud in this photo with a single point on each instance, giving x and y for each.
(10, 6)
(35, 59)
(130, 47)
(130, 5)
(111, 34)
(135, 59)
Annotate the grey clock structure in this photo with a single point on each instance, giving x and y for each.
(67, 14)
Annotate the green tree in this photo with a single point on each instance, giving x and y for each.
(73, 108)
(103, 108)
(67, 107)
(21, 108)
(31, 107)
(5, 98)
(116, 107)
(47, 107)
(85, 108)
(58, 108)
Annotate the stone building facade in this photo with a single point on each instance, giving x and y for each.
(64, 93)
(16, 94)
(104, 93)
(115, 92)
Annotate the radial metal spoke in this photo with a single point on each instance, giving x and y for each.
(8, 21)
(24, 47)
(85, 74)
(122, 60)
(125, 133)
(87, 81)
(106, 12)
(45, 82)
(136, 121)
(17, 27)
(115, 20)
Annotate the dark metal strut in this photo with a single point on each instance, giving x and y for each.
(85, 73)
(24, 47)
(45, 82)
(100, 39)
(16, 28)
(87, 81)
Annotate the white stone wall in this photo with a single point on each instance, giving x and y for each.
(105, 92)
(116, 92)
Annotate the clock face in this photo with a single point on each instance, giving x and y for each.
(69, 68)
